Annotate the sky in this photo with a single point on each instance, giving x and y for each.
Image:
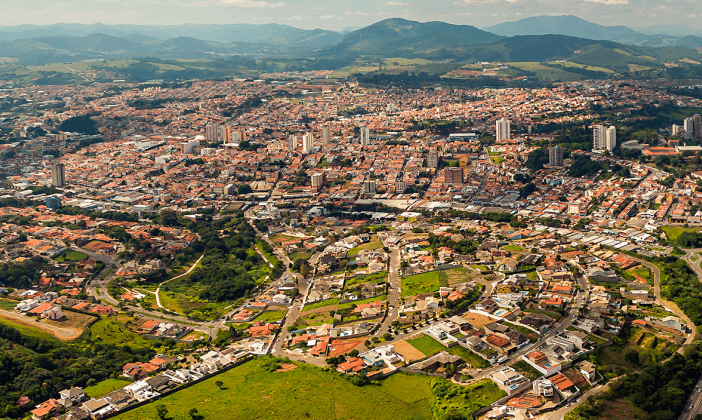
(340, 14)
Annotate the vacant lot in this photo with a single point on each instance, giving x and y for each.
(69, 329)
(370, 246)
(71, 255)
(251, 391)
(476, 320)
(420, 283)
(105, 387)
(271, 316)
(672, 232)
(117, 331)
(407, 351)
(427, 345)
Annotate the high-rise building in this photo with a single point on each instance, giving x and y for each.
(433, 160)
(611, 138)
(58, 175)
(365, 136)
(453, 176)
(696, 126)
(242, 134)
(307, 143)
(555, 156)
(211, 132)
(317, 181)
(604, 138)
(368, 187)
(326, 135)
(689, 126)
(400, 187)
(677, 129)
(502, 131)
(292, 143)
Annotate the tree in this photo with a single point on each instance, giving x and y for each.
(194, 415)
(219, 384)
(162, 411)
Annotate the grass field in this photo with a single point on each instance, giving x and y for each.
(117, 331)
(8, 304)
(251, 391)
(321, 304)
(71, 255)
(370, 246)
(105, 387)
(27, 330)
(370, 278)
(548, 73)
(271, 316)
(525, 369)
(420, 283)
(455, 401)
(673, 232)
(513, 248)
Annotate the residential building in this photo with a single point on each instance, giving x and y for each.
(326, 135)
(307, 143)
(689, 127)
(502, 131)
(555, 156)
(604, 138)
(58, 175)
(365, 136)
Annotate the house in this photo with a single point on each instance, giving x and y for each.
(587, 369)
(578, 338)
(138, 370)
(73, 395)
(507, 265)
(45, 410)
(507, 377)
(352, 365)
(539, 361)
(97, 408)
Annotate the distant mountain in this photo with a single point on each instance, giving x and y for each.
(272, 33)
(580, 28)
(400, 36)
(689, 41)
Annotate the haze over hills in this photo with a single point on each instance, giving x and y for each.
(580, 28)
(271, 33)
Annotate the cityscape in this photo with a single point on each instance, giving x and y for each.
(321, 243)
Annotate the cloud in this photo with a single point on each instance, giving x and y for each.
(396, 3)
(326, 17)
(609, 2)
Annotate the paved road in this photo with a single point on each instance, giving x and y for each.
(393, 293)
(693, 405)
(560, 414)
(669, 305)
(190, 270)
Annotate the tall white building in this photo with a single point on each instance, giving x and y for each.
(689, 126)
(677, 129)
(326, 135)
(365, 136)
(307, 142)
(502, 129)
(317, 180)
(292, 143)
(604, 138)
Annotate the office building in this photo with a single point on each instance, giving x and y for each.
(317, 181)
(365, 136)
(555, 156)
(689, 127)
(307, 143)
(58, 175)
(502, 131)
(696, 129)
(453, 176)
(326, 135)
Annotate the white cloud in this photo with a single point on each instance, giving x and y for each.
(327, 17)
(609, 2)
(395, 3)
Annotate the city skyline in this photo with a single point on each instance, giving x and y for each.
(324, 15)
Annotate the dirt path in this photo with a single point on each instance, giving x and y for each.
(62, 333)
(158, 299)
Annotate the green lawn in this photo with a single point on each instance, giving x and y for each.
(420, 283)
(513, 248)
(105, 387)
(370, 246)
(71, 255)
(427, 345)
(251, 391)
(370, 278)
(480, 267)
(270, 257)
(672, 232)
(533, 276)
(321, 304)
(271, 316)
